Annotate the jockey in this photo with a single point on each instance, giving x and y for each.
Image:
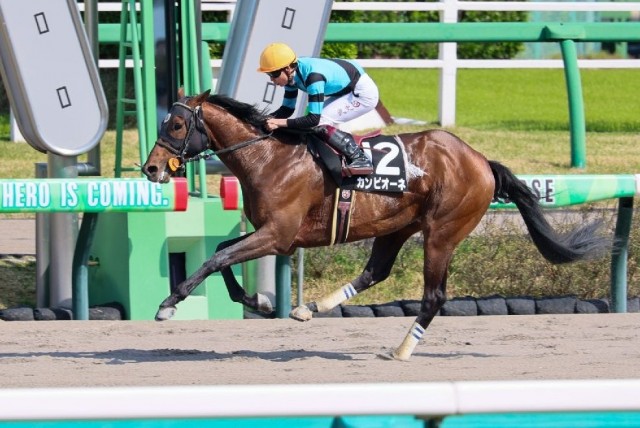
(338, 91)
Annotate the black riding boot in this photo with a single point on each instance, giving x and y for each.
(357, 161)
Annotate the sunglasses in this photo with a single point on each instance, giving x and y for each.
(274, 74)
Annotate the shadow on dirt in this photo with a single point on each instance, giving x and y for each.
(134, 356)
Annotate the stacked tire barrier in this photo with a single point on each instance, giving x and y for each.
(460, 306)
(108, 312)
(471, 306)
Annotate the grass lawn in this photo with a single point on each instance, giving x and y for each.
(519, 117)
(515, 99)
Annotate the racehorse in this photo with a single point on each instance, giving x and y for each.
(289, 196)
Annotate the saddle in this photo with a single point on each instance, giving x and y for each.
(386, 152)
(389, 174)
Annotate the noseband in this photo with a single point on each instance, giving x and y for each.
(183, 149)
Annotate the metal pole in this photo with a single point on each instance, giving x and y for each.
(576, 103)
(262, 273)
(619, 256)
(283, 286)
(62, 237)
(91, 28)
(43, 255)
(300, 276)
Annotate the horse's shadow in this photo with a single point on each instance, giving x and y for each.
(134, 356)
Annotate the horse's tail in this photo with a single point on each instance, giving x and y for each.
(583, 243)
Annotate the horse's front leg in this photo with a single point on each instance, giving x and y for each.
(168, 306)
(238, 250)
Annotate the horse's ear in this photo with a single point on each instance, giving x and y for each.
(203, 97)
(180, 92)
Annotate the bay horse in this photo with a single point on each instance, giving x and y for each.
(289, 195)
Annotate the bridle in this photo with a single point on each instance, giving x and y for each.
(184, 149)
(193, 119)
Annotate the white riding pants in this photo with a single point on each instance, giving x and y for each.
(363, 99)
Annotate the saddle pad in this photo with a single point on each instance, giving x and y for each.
(389, 162)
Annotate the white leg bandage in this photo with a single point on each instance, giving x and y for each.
(334, 299)
(409, 343)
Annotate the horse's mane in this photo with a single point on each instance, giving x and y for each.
(245, 112)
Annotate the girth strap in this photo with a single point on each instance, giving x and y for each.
(345, 200)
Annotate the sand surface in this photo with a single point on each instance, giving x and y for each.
(324, 350)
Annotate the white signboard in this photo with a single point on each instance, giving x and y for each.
(299, 23)
(50, 76)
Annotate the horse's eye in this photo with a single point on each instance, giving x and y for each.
(177, 126)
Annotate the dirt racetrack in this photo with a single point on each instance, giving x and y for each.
(324, 350)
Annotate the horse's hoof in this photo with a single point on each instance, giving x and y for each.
(391, 356)
(301, 313)
(388, 356)
(165, 313)
(264, 304)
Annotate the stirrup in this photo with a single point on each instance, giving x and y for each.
(359, 168)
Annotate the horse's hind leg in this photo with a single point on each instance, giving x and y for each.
(436, 265)
(441, 237)
(383, 255)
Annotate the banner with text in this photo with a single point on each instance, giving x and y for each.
(91, 195)
(565, 190)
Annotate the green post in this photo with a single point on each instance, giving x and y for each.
(191, 76)
(149, 78)
(205, 83)
(283, 286)
(619, 256)
(190, 46)
(122, 54)
(576, 103)
(80, 287)
(206, 75)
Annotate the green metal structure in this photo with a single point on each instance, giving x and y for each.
(565, 190)
(136, 43)
(137, 257)
(130, 47)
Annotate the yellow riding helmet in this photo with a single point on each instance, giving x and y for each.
(276, 56)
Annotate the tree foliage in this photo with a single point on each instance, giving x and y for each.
(501, 50)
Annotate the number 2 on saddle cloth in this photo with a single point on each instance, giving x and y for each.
(389, 174)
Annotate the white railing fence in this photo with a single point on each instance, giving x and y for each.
(426, 400)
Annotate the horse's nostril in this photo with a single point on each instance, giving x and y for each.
(151, 169)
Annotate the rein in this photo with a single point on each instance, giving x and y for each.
(231, 148)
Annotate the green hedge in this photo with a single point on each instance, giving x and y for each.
(504, 50)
